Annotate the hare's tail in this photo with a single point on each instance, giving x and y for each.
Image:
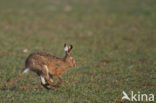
(25, 70)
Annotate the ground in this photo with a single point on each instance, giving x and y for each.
(114, 44)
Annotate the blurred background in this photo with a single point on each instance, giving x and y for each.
(114, 45)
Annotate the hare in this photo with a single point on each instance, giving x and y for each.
(46, 66)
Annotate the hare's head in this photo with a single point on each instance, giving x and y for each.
(68, 56)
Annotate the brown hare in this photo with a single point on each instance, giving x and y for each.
(47, 66)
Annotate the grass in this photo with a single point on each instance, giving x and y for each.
(114, 46)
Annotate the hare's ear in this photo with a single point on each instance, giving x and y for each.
(65, 44)
(70, 48)
(65, 48)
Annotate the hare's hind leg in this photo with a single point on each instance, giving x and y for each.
(43, 82)
(47, 76)
(42, 79)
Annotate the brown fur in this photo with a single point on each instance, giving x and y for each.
(39, 61)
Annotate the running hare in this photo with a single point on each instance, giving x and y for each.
(47, 66)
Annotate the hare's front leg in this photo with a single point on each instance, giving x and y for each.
(59, 82)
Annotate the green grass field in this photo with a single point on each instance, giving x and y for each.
(114, 46)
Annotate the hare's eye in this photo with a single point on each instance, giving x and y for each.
(71, 58)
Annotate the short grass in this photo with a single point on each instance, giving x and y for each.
(114, 46)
